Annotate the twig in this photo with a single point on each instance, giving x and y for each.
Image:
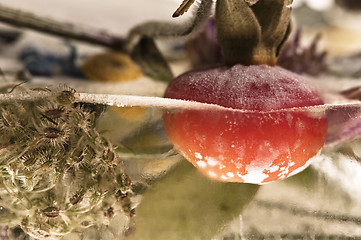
(69, 30)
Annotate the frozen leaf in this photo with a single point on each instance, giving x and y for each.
(185, 205)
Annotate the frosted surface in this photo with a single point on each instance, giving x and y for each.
(241, 87)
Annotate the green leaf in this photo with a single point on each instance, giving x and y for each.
(151, 61)
(186, 205)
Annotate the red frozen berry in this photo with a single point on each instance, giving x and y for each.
(257, 146)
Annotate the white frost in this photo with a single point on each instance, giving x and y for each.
(202, 164)
(212, 161)
(274, 168)
(224, 177)
(198, 155)
(255, 176)
(212, 174)
(230, 174)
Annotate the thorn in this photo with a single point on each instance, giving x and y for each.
(184, 7)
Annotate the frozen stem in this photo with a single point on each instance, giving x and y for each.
(69, 30)
(144, 101)
(109, 99)
(24, 96)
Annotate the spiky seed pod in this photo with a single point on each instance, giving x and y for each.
(109, 155)
(54, 136)
(25, 183)
(81, 157)
(51, 212)
(28, 160)
(52, 113)
(66, 97)
(82, 119)
(10, 124)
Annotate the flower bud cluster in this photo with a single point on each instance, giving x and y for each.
(57, 173)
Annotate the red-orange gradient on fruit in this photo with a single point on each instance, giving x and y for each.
(254, 147)
(246, 147)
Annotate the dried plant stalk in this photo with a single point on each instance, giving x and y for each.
(29, 20)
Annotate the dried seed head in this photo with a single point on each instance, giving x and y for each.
(58, 161)
(78, 155)
(123, 180)
(28, 160)
(55, 113)
(10, 123)
(51, 212)
(81, 119)
(26, 183)
(76, 198)
(55, 136)
(52, 132)
(52, 112)
(109, 155)
(82, 156)
(48, 160)
(66, 96)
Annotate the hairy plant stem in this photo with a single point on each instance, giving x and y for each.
(69, 30)
(155, 29)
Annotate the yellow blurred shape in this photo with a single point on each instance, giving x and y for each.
(131, 113)
(111, 67)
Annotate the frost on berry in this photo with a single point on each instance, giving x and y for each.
(264, 142)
